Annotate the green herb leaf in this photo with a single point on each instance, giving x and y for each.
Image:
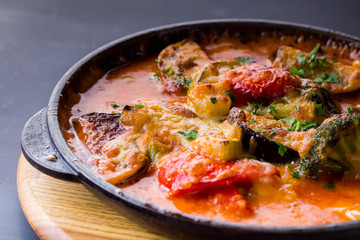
(350, 109)
(184, 81)
(245, 59)
(327, 78)
(138, 106)
(313, 52)
(231, 95)
(297, 108)
(222, 120)
(157, 74)
(167, 69)
(273, 110)
(296, 174)
(301, 59)
(213, 100)
(297, 71)
(330, 186)
(256, 107)
(157, 60)
(288, 166)
(191, 135)
(272, 133)
(253, 120)
(282, 149)
(114, 105)
(296, 125)
(320, 110)
(260, 131)
(232, 66)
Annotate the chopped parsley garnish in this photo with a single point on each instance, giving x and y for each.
(296, 174)
(288, 166)
(297, 108)
(320, 110)
(157, 60)
(350, 109)
(190, 135)
(256, 107)
(232, 66)
(260, 131)
(312, 64)
(167, 69)
(184, 81)
(171, 72)
(273, 110)
(297, 125)
(282, 149)
(213, 100)
(245, 59)
(231, 95)
(297, 71)
(327, 78)
(272, 133)
(114, 105)
(253, 120)
(301, 59)
(157, 74)
(138, 106)
(330, 186)
(222, 120)
(313, 52)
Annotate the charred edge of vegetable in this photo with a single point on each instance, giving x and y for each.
(322, 96)
(325, 139)
(129, 108)
(98, 119)
(263, 148)
(137, 176)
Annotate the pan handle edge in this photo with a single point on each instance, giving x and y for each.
(39, 150)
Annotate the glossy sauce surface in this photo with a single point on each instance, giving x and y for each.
(284, 201)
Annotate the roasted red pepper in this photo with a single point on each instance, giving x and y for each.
(189, 171)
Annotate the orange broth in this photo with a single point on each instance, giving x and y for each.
(284, 201)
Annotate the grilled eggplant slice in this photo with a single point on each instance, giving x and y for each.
(259, 139)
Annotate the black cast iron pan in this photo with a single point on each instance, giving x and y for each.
(44, 146)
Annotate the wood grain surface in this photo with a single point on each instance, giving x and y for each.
(58, 209)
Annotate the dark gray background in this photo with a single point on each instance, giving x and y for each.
(41, 39)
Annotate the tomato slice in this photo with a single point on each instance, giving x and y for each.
(189, 171)
(259, 82)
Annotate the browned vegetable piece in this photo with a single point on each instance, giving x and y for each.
(348, 76)
(264, 136)
(96, 129)
(119, 165)
(177, 62)
(115, 153)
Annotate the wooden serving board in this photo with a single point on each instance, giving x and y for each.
(58, 209)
